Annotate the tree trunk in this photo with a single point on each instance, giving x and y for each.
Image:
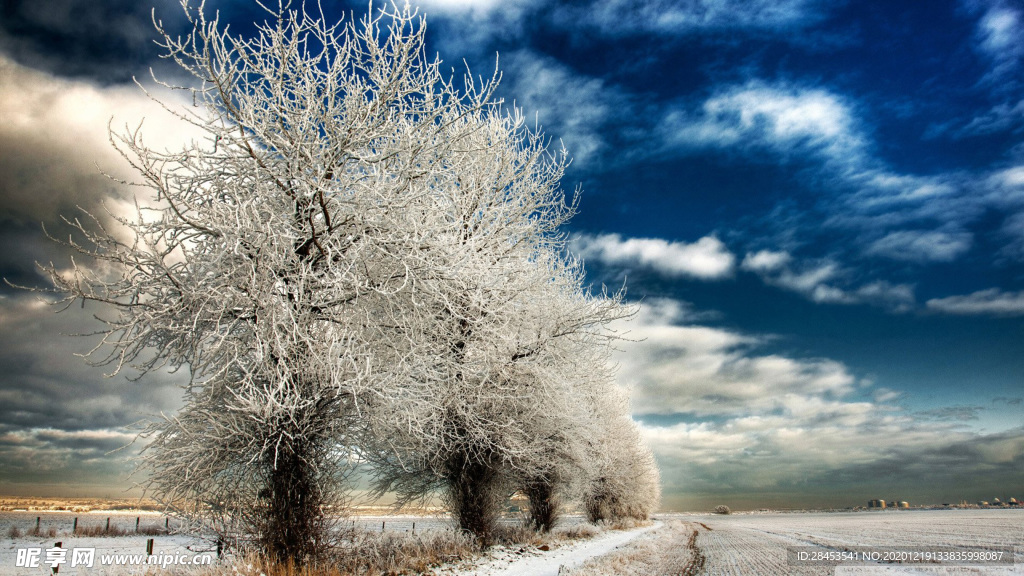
(597, 502)
(544, 509)
(475, 496)
(294, 521)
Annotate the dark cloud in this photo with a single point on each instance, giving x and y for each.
(975, 468)
(59, 417)
(55, 157)
(952, 413)
(45, 385)
(108, 41)
(1015, 401)
(971, 468)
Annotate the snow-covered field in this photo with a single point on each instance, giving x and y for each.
(757, 543)
(740, 544)
(57, 527)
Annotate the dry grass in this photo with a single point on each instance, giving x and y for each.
(576, 532)
(364, 554)
(94, 531)
(14, 532)
(509, 534)
(397, 553)
(36, 532)
(624, 523)
(400, 553)
(152, 531)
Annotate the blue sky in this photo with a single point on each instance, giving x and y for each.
(819, 204)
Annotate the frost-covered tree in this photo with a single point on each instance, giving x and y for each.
(626, 482)
(279, 258)
(567, 436)
(505, 331)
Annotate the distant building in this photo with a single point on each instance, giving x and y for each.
(876, 503)
(903, 504)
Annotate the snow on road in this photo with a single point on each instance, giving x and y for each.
(534, 562)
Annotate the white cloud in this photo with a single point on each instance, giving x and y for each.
(999, 29)
(921, 245)
(1011, 177)
(811, 281)
(917, 218)
(765, 261)
(617, 17)
(897, 297)
(675, 368)
(705, 259)
(780, 117)
(456, 5)
(885, 395)
(540, 84)
(992, 302)
(1002, 117)
(1013, 230)
(825, 281)
(1000, 32)
(770, 453)
(1005, 188)
(882, 189)
(475, 24)
(1000, 36)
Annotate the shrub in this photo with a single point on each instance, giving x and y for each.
(578, 532)
(42, 532)
(94, 531)
(364, 553)
(722, 509)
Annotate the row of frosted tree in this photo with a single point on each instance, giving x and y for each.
(362, 267)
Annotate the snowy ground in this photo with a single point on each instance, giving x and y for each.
(757, 543)
(531, 561)
(740, 544)
(57, 527)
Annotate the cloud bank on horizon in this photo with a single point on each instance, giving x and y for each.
(820, 206)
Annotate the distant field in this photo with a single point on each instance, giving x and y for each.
(744, 544)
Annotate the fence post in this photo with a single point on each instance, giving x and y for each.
(220, 545)
(167, 524)
(38, 518)
(74, 527)
(136, 524)
(56, 567)
(381, 526)
(149, 547)
(108, 525)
